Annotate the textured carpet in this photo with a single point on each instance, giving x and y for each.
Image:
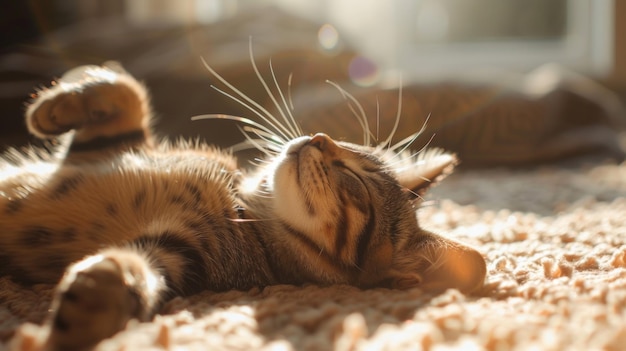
(554, 240)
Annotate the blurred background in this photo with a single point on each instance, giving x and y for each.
(477, 67)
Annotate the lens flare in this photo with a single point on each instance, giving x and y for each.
(363, 72)
(328, 37)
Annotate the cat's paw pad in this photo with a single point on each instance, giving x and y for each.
(57, 115)
(84, 98)
(95, 300)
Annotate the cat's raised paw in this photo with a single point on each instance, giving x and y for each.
(56, 116)
(92, 100)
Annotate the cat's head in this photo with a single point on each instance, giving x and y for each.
(348, 210)
(351, 210)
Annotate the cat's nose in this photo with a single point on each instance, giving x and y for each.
(323, 142)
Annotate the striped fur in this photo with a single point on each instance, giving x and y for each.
(123, 222)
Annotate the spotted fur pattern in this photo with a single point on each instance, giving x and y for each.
(122, 222)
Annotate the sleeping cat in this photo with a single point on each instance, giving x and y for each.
(123, 222)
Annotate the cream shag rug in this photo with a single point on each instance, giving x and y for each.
(554, 240)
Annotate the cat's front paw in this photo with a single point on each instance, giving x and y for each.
(97, 297)
(92, 100)
(56, 116)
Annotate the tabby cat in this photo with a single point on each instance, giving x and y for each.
(123, 222)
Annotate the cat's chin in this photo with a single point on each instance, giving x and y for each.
(299, 200)
(289, 204)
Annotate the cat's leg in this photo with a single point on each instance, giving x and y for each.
(100, 294)
(106, 107)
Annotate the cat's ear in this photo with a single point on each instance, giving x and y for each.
(440, 265)
(419, 172)
(115, 66)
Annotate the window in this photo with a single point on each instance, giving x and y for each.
(426, 38)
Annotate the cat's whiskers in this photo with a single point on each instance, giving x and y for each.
(377, 120)
(399, 149)
(408, 141)
(411, 138)
(360, 115)
(288, 116)
(268, 142)
(244, 220)
(271, 142)
(289, 98)
(287, 131)
(260, 161)
(387, 142)
(357, 267)
(249, 103)
(417, 195)
(430, 203)
(263, 194)
(319, 255)
(416, 159)
(275, 134)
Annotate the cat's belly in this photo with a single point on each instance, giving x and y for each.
(57, 217)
